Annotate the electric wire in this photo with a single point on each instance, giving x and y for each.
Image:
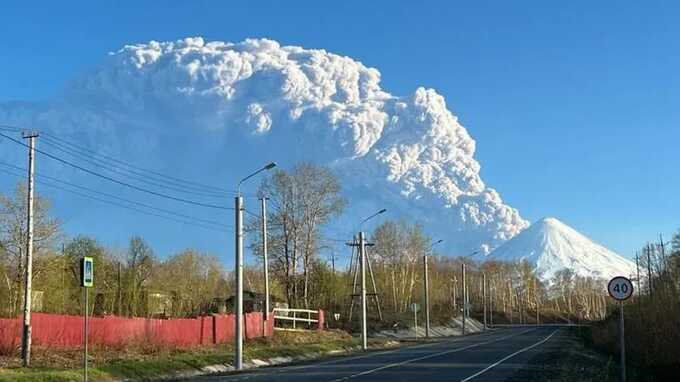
(132, 174)
(49, 184)
(118, 181)
(53, 179)
(156, 181)
(92, 153)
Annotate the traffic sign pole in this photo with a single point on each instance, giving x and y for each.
(623, 342)
(621, 288)
(87, 282)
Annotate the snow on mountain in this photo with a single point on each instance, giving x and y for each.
(223, 107)
(551, 245)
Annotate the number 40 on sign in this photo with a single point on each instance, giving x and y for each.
(620, 288)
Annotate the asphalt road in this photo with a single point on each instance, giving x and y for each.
(491, 356)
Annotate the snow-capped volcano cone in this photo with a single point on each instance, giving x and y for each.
(550, 245)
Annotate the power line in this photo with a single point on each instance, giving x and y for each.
(138, 176)
(158, 180)
(118, 181)
(203, 221)
(199, 225)
(88, 152)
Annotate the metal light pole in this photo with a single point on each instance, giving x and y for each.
(426, 289)
(238, 269)
(362, 268)
(265, 264)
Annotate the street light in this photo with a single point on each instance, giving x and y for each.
(238, 268)
(362, 267)
(427, 288)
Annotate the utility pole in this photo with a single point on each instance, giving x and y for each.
(491, 306)
(427, 297)
(28, 276)
(362, 269)
(649, 270)
(538, 317)
(265, 263)
(464, 294)
(238, 267)
(120, 291)
(484, 297)
(637, 265)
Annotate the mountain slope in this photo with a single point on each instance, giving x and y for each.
(550, 245)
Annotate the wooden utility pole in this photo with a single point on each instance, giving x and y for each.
(28, 276)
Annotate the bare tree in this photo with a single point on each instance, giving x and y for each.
(302, 201)
(13, 211)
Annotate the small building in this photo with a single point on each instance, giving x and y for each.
(252, 302)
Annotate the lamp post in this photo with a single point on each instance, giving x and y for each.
(427, 288)
(464, 293)
(238, 269)
(362, 268)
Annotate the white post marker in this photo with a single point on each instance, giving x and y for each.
(621, 288)
(415, 308)
(87, 282)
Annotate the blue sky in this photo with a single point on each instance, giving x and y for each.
(574, 106)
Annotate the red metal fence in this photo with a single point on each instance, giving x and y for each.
(53, 330)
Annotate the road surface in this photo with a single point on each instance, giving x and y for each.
(491, 356)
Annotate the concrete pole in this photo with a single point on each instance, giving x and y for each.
(415, 322)
(426, 288)
(265, 263)
(362, 268)
(491, 306)
(464, 296)
(484, 297)
(238, 269)
(28, 276)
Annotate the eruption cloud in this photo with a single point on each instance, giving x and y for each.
(175, 104)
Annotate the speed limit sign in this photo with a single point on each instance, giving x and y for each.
(620, 288)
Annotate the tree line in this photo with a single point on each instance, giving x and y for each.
(306, 269)
(651, 328)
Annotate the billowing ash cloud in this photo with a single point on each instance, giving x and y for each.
(230, 104)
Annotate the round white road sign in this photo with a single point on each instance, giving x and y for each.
(620, 288)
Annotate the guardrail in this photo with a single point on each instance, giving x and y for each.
(295, 316)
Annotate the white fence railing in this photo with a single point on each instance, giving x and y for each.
(295, 316)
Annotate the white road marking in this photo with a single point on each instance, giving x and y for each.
(287, 368)
(425, 357)
(508, 357)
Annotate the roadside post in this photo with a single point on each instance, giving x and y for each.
(415, 308)
(87, 282)
(621, 288)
